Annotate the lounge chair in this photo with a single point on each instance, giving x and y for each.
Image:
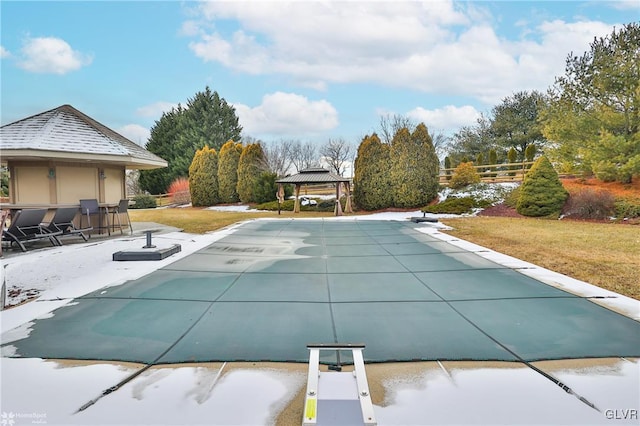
(26, 227)
(62, 224)
(90, 208)
(122, 209)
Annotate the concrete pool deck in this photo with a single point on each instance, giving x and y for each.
(258, 393)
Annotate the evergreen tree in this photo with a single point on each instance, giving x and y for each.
(593, 115)
(541, 192)
(162, 143)
(447, 165)
(512, 157)
(372, 184)
(203, 178)
(228, 171)
(493, 159)
(207, 119)
(250, 167)
(414, 168)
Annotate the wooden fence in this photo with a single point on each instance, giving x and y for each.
(506, 172)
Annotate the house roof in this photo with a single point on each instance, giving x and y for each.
(313, 175)
(64, 133)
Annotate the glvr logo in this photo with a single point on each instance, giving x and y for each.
(7, 419)
(622, 414)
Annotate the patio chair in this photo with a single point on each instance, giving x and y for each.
(62, 223)
(121, 209)
(3, 218)
(26, 227)
(90, 207)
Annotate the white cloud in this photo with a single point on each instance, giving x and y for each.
(4, 53)
(287, 114)
(135, 133)
(449, 117)
(625, 4)
(436, 47)
(155, 109)
(51, 55)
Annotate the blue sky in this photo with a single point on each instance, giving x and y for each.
(303, 70)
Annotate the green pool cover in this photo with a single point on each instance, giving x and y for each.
(270, 288)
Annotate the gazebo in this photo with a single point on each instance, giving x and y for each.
(317, 175)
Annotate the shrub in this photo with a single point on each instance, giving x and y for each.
(465, 174)
(541, 192)
(590, 204)
(372, 182)
(511, 199)
(228, 159)
(625, 209)
(203, 177)
(453, 205)
(265, 188)
(512, 157)
(144, 201)
(250, 167)
(605, 171)
(179, 191)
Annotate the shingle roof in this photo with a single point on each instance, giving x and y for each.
(67, 130)
(313, 175)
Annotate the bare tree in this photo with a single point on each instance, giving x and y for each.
(390, 124)
(336, 153)
(303, 155)
(278, 156)
(440, 143)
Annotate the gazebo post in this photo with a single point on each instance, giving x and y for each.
(347, 207)
(296, 206)
(338, 209)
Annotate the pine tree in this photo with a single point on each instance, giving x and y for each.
(207, 119)
(250, 167)
(541, 192)
(372, 185)
(414, 168)
(203, 178)
(228, 171)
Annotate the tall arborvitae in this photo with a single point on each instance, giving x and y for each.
(228, 171)
(372, 183)
(203, 177)
(414, 168)
(541, 192)
(250, 167)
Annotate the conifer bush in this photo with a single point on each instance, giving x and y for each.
(541, 192)
(203, 178)
(465, 174)
(250, 167)
(228, 171)
(414, 168)
(372, 183)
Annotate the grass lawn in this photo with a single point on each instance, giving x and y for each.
(198, 220)
(602, 254)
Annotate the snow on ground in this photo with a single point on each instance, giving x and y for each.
(35, 391)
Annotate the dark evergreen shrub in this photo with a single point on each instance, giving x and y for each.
(144, 201)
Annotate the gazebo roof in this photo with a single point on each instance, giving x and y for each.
(313, 175)
(64, 133)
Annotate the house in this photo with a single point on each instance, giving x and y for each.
(60, 156)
